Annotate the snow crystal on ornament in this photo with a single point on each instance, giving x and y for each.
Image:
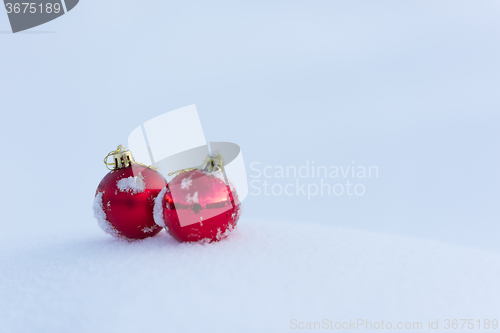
(221, 235)
(132, 184)
(158, 209)
(193, 198)
(219, 175)
(100, 215)
(186, 183)
(146, 229)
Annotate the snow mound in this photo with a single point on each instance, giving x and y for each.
(132, 184)
(158, 208)
(259, 279)
(100, 216)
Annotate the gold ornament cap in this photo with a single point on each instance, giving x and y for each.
(122, 158)
(212, 163)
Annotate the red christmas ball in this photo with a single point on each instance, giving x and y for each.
(197, 206)
(124, 201)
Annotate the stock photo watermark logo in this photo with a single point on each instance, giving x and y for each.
(26, 15)
(310, 180)
(365, 324)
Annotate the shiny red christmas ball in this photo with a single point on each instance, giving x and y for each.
(125, 199)
(198, 206)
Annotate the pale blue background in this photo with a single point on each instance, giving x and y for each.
(412, 87)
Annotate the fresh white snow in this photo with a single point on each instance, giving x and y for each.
(256, 280)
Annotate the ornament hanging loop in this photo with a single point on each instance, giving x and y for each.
(210, 164)
(121, 158)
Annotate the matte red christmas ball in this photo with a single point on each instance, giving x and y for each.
(125, 198)
(198, 205)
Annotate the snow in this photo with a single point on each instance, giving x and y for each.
(146, 229)
(192, 198)
(222, 235)
(217, 174)
(256, 280)
(158, 208)
(186, 183)
(132, 184)
(100, 216)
